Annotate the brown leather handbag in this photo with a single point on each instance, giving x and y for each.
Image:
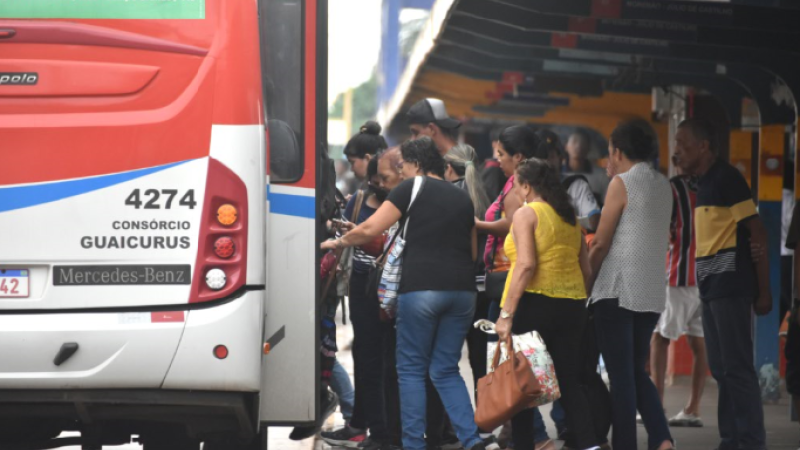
(507, 389)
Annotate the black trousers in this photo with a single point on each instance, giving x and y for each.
(369, 353)
(561, 323)
(439, 430)
(476, 341)
(391, 390)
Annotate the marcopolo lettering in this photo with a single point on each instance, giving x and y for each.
(121, 275)
(18, 78)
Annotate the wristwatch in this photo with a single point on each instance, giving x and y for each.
(505, 314)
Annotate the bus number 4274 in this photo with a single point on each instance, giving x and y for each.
(152, 199)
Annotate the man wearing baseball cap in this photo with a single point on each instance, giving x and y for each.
(428, 117)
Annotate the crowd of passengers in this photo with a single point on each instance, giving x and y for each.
(522, 241)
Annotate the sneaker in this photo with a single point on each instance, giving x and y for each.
(599, 447)
(504, 439)
(478, 446)
(450, 444)
(545, 445)
(685, 420)
(329, 405)
(344, 437)
(490, 442)
(372, 444)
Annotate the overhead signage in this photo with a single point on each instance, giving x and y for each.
(102, 9)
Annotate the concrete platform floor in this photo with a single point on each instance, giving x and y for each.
(782, 434)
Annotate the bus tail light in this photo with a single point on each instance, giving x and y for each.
(224, 247)
(216, 279)
(227, 215)
(221, 265)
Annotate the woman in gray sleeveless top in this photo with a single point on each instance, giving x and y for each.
(627, 259)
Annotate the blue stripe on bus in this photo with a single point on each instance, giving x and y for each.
(19, 197)
(292, 205)
(13, 273)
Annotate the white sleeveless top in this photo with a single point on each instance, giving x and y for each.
(633, 270)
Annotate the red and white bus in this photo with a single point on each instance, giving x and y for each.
(158, 225)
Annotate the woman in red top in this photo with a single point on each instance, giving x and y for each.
(516, 144)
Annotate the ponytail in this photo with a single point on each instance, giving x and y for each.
(368, 141)
(462, 158)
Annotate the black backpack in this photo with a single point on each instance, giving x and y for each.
(567, 182)
(573, 178)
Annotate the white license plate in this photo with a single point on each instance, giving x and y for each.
(14, 282)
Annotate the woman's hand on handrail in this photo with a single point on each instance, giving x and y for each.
(377, 224)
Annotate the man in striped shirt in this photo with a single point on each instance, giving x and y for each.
(732, 283)
(683, 312)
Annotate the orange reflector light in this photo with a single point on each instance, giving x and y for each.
(227, 214)
(267, 348)
(221, 352)
(224, 247)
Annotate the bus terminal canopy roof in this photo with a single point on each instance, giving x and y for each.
(595, 62)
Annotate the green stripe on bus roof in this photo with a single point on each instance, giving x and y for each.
(102, 9)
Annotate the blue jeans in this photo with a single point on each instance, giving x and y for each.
(624, 339)
(559, 417)
(727, 325)
(341, 385)
(431, 329)
(539, 427)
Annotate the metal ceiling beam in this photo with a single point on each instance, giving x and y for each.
(758, 16)
(781, 64)
(525, 19)
(727, 91)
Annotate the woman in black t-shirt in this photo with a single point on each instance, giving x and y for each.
(437, 289)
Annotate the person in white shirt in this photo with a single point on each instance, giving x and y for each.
(578, 147)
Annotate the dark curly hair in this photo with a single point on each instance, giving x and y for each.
(632, 140)
(519, 139)
(423, 151)
(545, 180)
(368, 141)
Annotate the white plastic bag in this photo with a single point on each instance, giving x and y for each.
(532, 346)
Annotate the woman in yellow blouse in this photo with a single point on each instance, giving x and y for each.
(546, 291)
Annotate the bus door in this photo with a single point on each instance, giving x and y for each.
(294, 75)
